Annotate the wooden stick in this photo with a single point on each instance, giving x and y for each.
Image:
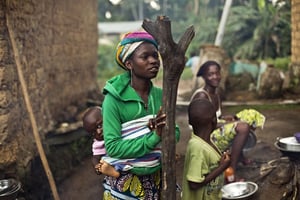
(30, 111)
(173, 57)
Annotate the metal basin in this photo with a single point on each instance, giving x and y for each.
(9, 189)
(7, 185)
(238, 190)
(288, 144)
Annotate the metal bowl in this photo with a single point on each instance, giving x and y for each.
(10, 189)
(238, 190)
(7, 185)
(295, 155)
(288, 144)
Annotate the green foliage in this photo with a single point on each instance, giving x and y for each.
(260, 30)
(280, 63)
(295, 82)
(235, 109)
(105, 57)
(107, 66)
(255, 29)
(187, 74)
(240, 22)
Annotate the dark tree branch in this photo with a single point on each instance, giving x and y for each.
(173, 58)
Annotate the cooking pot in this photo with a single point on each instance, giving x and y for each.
(9, 189)
(239, 190)
(289, 144)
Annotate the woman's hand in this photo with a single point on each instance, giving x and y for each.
(158, 122)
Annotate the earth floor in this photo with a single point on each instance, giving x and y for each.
(280, 122)
(85, 184)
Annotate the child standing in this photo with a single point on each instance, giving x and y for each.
(204, 165)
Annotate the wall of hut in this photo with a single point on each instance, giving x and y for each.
(57, 46)
(295, 65)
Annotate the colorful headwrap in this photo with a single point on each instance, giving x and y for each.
(130, 42)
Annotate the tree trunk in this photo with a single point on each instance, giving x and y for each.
(221, 28)
(196, 7)
(173, 57)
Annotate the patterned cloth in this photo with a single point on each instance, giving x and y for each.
(130, 42)
(132, 187)
(128, 185)
(252, 117)
(134, 129)
(98, 147)
(223, 136)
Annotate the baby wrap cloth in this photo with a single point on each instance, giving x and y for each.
(134, 129)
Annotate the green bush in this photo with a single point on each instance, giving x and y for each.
(186, 74)
(107, 66)
(280, 63)
(105, 56)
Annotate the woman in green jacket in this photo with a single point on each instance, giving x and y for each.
(132, 103)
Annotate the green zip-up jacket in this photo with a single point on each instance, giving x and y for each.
(122, 104)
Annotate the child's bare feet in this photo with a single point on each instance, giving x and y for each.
(107, 169)
(98, 172)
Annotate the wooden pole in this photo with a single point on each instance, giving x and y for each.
(173, 57)
(30, 111)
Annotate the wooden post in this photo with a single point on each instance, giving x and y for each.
(173, 57)
(30, 112)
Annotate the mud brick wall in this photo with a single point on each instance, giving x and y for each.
(57, 44)
(295, 67)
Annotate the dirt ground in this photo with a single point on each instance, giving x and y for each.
(281, 121)
(85, 184)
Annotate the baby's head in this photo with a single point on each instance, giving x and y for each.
(201, 114)
(92, 122)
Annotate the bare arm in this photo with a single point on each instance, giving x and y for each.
(200, 95)
(224, 163)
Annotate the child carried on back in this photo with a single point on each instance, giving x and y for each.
(92, 123)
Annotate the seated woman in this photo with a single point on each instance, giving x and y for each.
(232, 130)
